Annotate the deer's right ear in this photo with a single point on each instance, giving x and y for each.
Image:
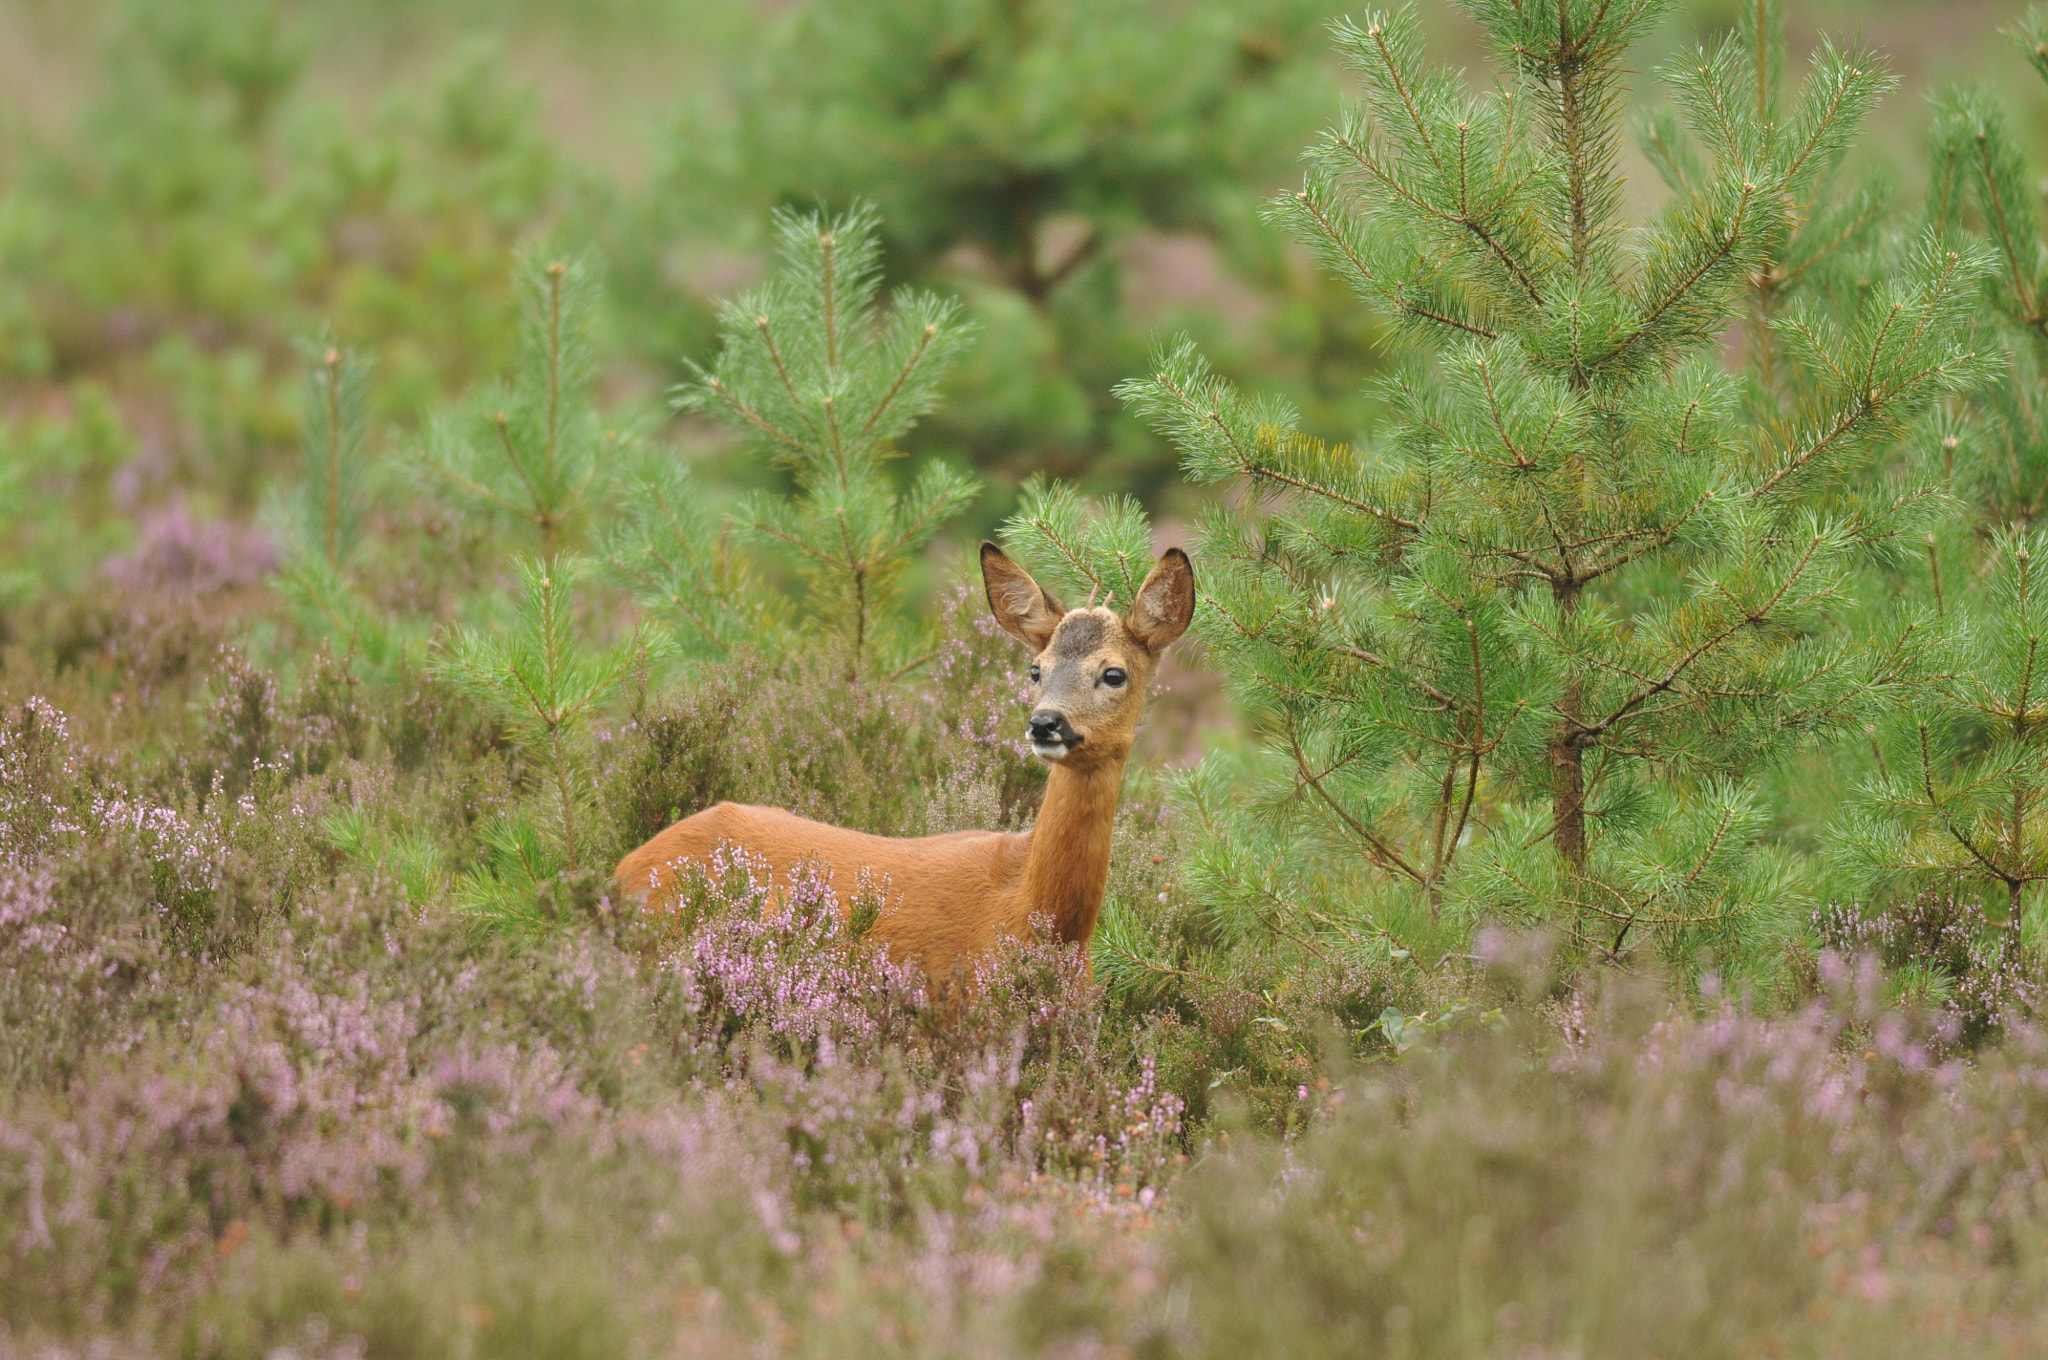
(1020, 604)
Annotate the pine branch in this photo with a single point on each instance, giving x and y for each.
(1381, 852)
(1364, 277)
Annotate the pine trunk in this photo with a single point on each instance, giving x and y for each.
(1567, 758)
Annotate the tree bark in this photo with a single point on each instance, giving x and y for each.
(1567, 758)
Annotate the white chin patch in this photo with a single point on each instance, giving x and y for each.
(1049, 750)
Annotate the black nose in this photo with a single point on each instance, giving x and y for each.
(1050, 726)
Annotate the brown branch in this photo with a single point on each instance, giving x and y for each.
(1670, 679)
(910, 365)
(1384, 853)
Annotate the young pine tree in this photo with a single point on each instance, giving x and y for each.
(530, 452)
(322, 520)
(1958, 802)
(1980, 181)
(1833, 221)
(1521, 654)
(678, 558)
(816, 374)
(328, 511)
(543, 684)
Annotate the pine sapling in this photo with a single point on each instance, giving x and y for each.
(323, 520)
(1955, 803)
(816, 373)
(678, 560)
(1522, 654)
(1980, 181)
(1095, 549)
(539, 679)
(1028, 147)
(333, 498)
(531, 451)
(1833, 219)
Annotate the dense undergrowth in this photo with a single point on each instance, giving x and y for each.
(350, 632)
(263, 1097)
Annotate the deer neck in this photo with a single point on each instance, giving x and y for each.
(1067, 868)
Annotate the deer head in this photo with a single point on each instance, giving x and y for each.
(1092, 668)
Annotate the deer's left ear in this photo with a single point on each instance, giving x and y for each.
(1165, 603)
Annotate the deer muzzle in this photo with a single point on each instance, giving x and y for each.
(1052, 736)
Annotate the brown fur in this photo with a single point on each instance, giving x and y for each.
(949, 898)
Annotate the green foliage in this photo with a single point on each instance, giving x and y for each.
(675, 555)
(1831, 222)
(1980, 180)
(327, 515)
(58, 516)
(1954, 803)
(241, 55)
(544, 685)
(208, 182)
(321, 523)
(1519, 656)
(531, 451)
(1098, 550)
(210, 198)
(1958, 801)
(817, 376)
(1037, 155)
(411, 858)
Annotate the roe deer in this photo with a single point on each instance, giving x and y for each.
(949, 898)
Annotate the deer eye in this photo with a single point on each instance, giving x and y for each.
(1034, 675)
(1113, 677)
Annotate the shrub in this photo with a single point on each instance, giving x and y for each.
(1721, 1185)
(1074, 169)
(544, 686)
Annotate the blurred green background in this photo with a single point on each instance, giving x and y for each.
(190, 188)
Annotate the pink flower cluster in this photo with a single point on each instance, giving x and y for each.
(1961, 958)
(781, 960)
(177, 552)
